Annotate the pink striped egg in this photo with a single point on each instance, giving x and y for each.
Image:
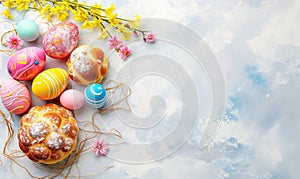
(15, 96)
(25, 64)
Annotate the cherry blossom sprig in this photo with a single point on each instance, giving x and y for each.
(124, 50)
(150, 38)
(117, 44)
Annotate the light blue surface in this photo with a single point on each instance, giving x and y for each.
(257, 44)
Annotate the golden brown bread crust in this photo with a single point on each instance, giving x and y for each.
(87, 64)
(48, 134)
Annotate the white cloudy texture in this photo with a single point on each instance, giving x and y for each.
(257, 44)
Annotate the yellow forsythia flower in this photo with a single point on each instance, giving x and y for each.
(80, 15)
(91, 16)
(22, 4)
(120, 28)
(95, 10)
(87, 24)
(9, 3)
(104, 34)
(136, 23)
(110, 10)
(64, 5)
(97, 6)
(34, 4)
(62, 15)
(126, 35)
(45, 10)
(60, 11)
(112, 19)
(7, 14)
(98, 22)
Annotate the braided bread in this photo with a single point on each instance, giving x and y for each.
(48, 134)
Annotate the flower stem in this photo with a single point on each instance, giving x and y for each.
(107, 31)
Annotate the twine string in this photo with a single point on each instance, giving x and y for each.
(49, 24)
(3, 36)
(112, 106)
(89, 129)
(14, 31)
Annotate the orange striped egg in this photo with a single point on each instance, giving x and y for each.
(15, 96)
(50, 83)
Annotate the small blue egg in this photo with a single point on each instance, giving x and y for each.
(28, 30)
(95, 95)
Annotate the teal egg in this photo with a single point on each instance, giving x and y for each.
(28, 30)
(95, 95)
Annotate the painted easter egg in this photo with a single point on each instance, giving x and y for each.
(72, 99)
(15, 96)
(95, 95)
(28, 30)
(25, 64)
(87, 65)
(60, 40)
(50, 83)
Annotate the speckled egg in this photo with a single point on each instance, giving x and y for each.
(95, 95)
(28, 30)
(15, 96)
(50, 83)
(87, 65)
(60, 40)
(72, 99)
(25, 64)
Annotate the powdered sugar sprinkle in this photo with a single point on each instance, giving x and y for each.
(39, 130)
(54, 141)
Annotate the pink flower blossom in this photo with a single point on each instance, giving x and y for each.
(125, 52)
(14, 42)
(135, 34)
(115, 43)
(150, 38)
(100, 147)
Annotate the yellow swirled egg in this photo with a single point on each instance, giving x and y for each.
(50, 83)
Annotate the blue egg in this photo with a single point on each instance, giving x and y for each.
(95, 95)
(28, 30)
